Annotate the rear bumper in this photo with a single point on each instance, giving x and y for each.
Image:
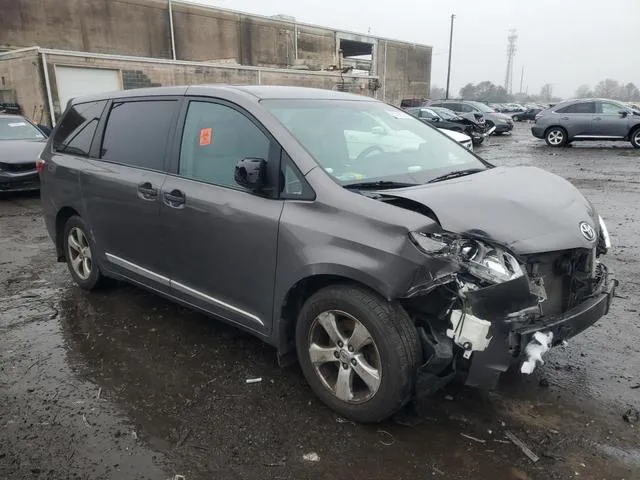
(503, 127)
(486, 366)
(537, 131)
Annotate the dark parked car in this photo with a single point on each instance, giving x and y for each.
(502, 122)
(528, 114)
(20, 144)
(588, 119)
(449, 120)
(384, 258)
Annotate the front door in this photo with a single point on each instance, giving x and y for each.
(221, 238)
(608, 122)
(121, 189)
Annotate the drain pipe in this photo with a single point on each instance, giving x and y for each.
(47, 85)
(173, 38)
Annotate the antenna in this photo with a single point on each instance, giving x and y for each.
(512, 38)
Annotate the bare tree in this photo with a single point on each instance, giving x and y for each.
(546, 92)
(437, 93)
(608, 88)
(584, 91)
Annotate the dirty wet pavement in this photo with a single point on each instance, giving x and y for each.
(121, 384)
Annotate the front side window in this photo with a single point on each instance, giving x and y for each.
(76, 130)
(482, 107)
(17, 128)
(610, 108)
(397, 147)
(215, 138)
(137, 133)
(584, 107)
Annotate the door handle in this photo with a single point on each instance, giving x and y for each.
(174, 199)
(598, 118)
(564, 118)
(147, 191)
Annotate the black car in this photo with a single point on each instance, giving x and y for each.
(20, 144)
(449, 120)
(528, 114)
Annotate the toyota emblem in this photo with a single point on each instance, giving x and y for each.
(587, 231)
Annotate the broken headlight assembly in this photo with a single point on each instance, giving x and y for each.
(604, 233)
(482, 260)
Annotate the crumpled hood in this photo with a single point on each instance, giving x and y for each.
(20, 151)
(525, 209)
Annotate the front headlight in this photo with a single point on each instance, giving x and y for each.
(487, 262)
(605, 233)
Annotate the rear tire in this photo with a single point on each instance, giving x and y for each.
(556, 137)
(364, 381)
(635, 137)
(80, 254)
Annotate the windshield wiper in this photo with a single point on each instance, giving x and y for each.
(380, 184)
(456, 174)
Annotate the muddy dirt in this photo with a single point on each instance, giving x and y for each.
(121, 384)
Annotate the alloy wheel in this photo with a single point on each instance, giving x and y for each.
(79, 253)
(636, 137)
(555, 137)
(345, 356)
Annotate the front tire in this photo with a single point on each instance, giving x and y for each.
(80, 253)
(556, 137)
(635, 138)
(358, 352)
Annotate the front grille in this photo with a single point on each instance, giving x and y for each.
(568, 276)
(17, 167)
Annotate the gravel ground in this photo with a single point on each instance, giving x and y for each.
(121, 384)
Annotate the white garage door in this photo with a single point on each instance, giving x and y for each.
(77, 81)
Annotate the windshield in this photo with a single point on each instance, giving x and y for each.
(446, 113)
(483, 107)
(17, 128)
(370, 141)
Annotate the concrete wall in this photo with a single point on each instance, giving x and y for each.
(127, 27)
(21, 81)
(405, 71)
(136, 74)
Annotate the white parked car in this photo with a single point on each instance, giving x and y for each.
(461, 138)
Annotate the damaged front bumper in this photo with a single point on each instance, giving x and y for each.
(515, 318)
(513, 332)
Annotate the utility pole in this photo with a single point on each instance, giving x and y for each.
(521, 79)
(511, 52)
(450, 47)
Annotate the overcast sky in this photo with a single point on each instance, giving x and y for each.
(563, 42)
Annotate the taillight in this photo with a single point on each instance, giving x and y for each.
(40, 165)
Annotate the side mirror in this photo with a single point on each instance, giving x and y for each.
(623, 113)
(434, 119)
(251, 173)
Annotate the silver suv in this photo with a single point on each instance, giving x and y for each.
(588, 119)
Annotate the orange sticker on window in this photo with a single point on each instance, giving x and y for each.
(205, 136)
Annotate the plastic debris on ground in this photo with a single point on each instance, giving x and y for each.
(523, 446)
(311, 457)
(253, 380)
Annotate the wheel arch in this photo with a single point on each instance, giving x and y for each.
(63, 215)
(314, 279)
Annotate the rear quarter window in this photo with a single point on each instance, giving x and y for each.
(75, 132)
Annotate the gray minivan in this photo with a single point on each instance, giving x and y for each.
(382, 255)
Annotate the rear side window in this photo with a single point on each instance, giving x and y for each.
(137, 133)
(75, 133)
(585, 107)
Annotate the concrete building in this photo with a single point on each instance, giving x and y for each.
(57, 49)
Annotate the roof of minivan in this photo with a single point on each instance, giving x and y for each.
(259, 92)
